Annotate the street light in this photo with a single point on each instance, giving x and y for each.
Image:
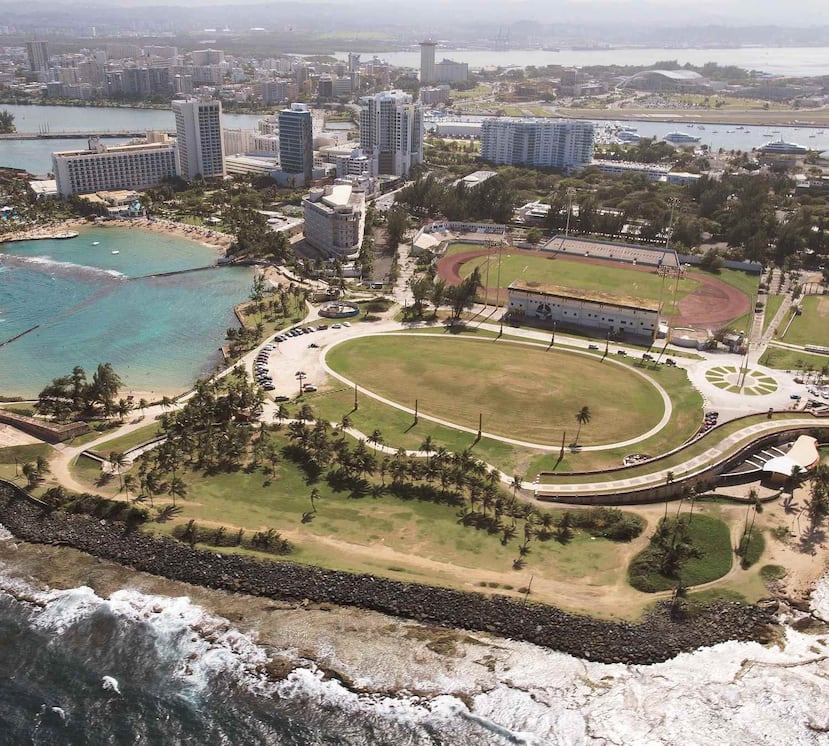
(570, 194)
(300, 376)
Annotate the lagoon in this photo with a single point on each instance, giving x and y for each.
(159, 333)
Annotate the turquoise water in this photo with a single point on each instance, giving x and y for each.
(159, 333)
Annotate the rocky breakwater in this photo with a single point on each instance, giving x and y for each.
(660, 636)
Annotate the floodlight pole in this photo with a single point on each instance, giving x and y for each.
(356, 403)
(415, 420)
(570, 194)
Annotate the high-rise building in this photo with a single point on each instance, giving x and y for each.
(335, 219)
(38, 52)
(391, 132)
(101, 168)
(199, 138)
(296, 141)
(445, 71)
(207, 56)
(427, 61)
(555, 143)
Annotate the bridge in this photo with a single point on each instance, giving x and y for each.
(75, 134)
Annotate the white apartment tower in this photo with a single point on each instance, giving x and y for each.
(391, 132)
(199, 138)
(101, 168)
(552, 143)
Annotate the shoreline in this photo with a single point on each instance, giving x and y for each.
(657, 638)
(58, 230)
(214, 240)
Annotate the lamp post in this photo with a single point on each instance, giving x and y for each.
(300, 376)
(570, 194)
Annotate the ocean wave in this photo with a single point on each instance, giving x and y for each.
(52, 266)
(494, 691)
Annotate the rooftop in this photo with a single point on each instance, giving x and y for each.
(593, 296)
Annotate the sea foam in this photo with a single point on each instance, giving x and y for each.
(731, 693)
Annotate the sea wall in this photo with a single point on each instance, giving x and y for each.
(657, 638)
(51, 432)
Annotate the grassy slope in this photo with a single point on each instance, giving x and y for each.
(812, 326)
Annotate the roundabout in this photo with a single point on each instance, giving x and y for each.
(518, 393)
(728, 378)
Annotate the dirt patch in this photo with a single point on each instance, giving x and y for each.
(10, 436)
(713, 304)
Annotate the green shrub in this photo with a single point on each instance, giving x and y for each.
(773, 572)
(608, 523)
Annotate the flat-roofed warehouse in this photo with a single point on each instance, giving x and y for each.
(604, 312)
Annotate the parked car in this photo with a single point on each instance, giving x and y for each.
(309, 387)
(592, 347)
(282, 397)
(621, 352)
(794, 396)
(314, 346)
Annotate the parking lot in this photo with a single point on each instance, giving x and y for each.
(296, 349)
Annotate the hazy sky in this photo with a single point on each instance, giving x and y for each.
(800, 13)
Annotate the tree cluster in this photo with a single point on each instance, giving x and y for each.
(429, 196)
(74, 396)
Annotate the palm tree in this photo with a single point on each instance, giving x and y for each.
(118, 461)
(142, 406)
(376, 437)
(176, 488)
(583, 416)
(669, 478)
(315, 495)
(280, 413)
(428, 447)
(515, 484)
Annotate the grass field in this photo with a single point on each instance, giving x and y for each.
(130, 440)
(618, 280)
(782, 358)
(812, 326)
(522, 392)
(12, 459)
(773, 303)
(555, 270)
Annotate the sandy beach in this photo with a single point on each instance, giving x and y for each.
(206, 236)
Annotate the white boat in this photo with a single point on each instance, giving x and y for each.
(681, 137)
(95, 243)
(116, 251)
(780, 147)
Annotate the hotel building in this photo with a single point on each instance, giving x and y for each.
(335, 218)
(199, 138)
(102, 168)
